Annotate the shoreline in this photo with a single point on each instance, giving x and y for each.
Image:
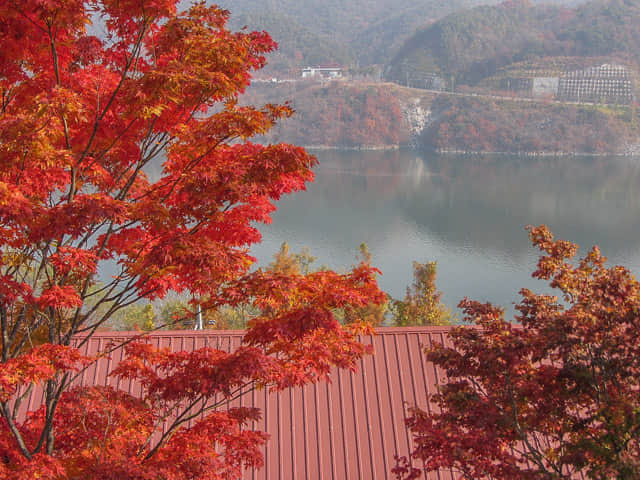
(355, 148)
(448, 151)
(535, 154)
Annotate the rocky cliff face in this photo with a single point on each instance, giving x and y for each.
(417, 118)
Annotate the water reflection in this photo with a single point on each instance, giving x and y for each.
(468, 213)
(589, 200)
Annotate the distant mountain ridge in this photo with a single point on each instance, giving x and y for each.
(352, 33)
(469, 46)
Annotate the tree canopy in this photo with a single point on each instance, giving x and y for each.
(126, 174)
(553, 395)
(473, 44)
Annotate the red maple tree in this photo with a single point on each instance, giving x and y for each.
(555, 395)
(125, 173)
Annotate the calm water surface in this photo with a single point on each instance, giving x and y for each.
(467, 213)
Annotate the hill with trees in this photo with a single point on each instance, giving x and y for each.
(351, 33)
(489, 52)
(386, 115)
(338, 114)
(299, 44)
(475, 52)
(468, 46)
(473, 124)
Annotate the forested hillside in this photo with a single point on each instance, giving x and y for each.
(350, 33)
(468, 46)
(468, 124)
(338, 114)
(380, 115)
(299, 45)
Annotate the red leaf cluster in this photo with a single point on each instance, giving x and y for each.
(126, 173)
(554, 395)
(42, 363)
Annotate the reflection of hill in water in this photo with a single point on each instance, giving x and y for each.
(487, 201)
(354, 198)
(360, 178)
(467, 213)
(479, 202)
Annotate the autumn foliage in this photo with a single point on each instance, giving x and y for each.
(555, 395)
(485, 125)
(421, 304)
(126, 174)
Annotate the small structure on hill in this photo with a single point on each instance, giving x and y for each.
(322, 72)
(543, 86)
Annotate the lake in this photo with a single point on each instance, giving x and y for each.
(467, 213)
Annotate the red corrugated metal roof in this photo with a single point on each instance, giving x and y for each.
(349, 429)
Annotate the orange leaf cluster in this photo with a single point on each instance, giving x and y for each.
(125, 174)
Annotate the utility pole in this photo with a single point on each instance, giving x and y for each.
(198, 325)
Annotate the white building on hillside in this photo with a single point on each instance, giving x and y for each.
(324, 72)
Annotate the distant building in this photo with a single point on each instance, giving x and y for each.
(542, 86)
(535, 86)
(416, 76)
(517, 84)
(434, 82)
(322, 72)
